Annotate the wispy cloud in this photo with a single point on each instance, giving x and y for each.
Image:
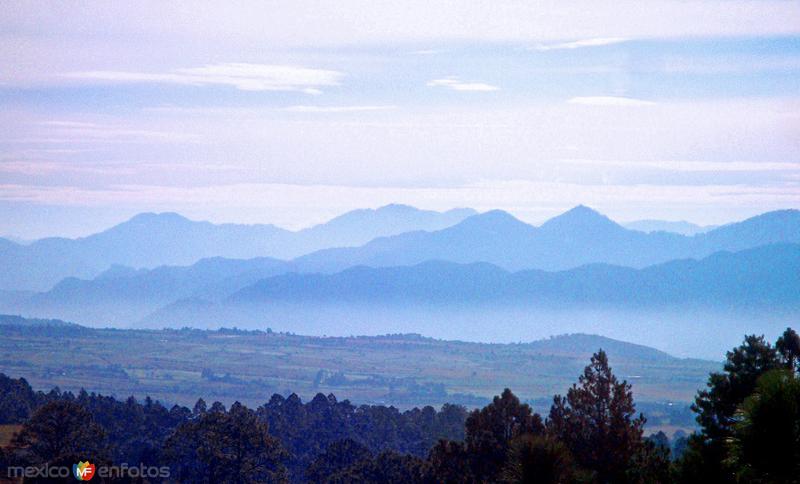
(692, 166)
(242, 76)
(42, 167)
(596, 42)
(428, 52)
(70, 124)
(457, 85)
(609, 101)
(81, 131)
(336, 109)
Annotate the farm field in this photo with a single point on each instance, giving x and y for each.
(177, 366)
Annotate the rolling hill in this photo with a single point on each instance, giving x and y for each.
(397, 369)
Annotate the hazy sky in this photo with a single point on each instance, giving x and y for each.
(292, 112)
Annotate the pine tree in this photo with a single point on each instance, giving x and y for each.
(59, 431)
(226, 447)
(765, 446)
(597, 422)
(489, 432)
(788, 346)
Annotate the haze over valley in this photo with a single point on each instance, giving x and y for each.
(484, 277)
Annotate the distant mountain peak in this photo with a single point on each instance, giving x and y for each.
(116, 271)
(785, 214)
(147, 222)
(767, 228)
(580, 218)
(497, 214)
(397, 207)
(493, 219)
(401, 208)
(158, 217)
(583, 211)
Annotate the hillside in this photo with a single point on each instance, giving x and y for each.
(768, 275)
(756, 288)
(406, 370)
(674, 306)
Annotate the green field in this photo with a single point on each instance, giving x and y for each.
(178, 366)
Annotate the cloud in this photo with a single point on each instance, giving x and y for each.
(44, 168)
(353, 22)
(40, 167)
(336, 109)
(79, 131)
(596, 42)
(694, 166)
(69, 124)
(609, 101)
(428, 52)
(242, 76)
(455, 84)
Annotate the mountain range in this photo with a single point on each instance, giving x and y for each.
(688, 307)
(488, 275)
(149, 240)
(763, 276)
(678, 227)
(393, 235)
(577, 237)
(267, 292)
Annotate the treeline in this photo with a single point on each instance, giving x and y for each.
(749, 417)
(149, 433)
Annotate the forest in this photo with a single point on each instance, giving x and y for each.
(748, 417)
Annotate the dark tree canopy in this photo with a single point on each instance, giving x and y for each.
(716, 407)
(388, 467)
(538, 459)
(748, 416)
(766, 437)
(597, 422)
(226, 447)
(306, 430)
(717, 404)
(19, 400)
(489, 432)
(788, 346)
(449, 463)
(59, 431)
(337, 459)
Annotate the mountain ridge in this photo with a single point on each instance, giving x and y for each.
(680, 227)
(577, 237)
(149, 240)
(599, 282)
(756, 289)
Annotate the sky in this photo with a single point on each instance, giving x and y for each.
(294, 112)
